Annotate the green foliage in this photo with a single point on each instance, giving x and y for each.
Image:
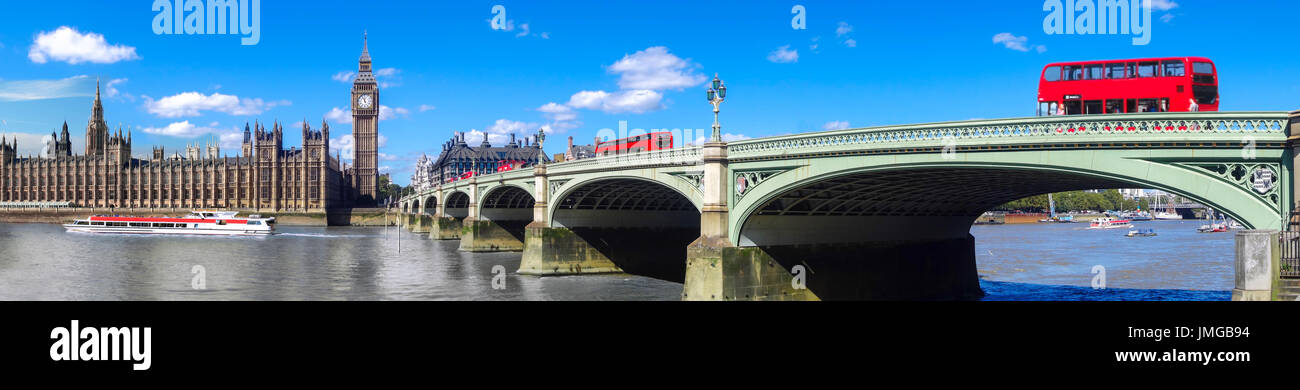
(1076, 201)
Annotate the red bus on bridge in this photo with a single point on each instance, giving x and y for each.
(648, 141)
(1124, 86)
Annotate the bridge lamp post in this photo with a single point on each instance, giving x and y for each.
(716, 94)
(541, 146)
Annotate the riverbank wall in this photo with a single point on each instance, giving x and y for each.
(331, 217)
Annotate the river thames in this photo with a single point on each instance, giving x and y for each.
(1015, 262)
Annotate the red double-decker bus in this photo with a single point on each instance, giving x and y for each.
(648, 141)
(1125, 86)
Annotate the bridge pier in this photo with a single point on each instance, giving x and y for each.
(444, 228)
(560, 251)
(1258, 255)
(715, 268)
(422, 223)
(482, 235)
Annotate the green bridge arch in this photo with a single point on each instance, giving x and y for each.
(1189, 173)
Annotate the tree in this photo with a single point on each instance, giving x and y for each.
(387, 189)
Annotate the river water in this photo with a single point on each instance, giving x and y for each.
(1015, 262)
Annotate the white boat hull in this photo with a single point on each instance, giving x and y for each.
(180, 231)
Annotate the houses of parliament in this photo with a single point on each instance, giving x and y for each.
(265, 176)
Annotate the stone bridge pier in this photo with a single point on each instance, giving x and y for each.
(497, 224)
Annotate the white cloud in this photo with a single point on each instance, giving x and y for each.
(842, 31)
(783, 55)
(506, 126)
(194, 103)
(1013, 42)
(836, 125)
(22, 90)
(523, 30)
(655, 69)
(388, 77)
(228, 138)
(634, 101)
(345, 146)
(344, 116)
(344, 76)
(386, 112)
(427, 107)
(558, 112)
(339, 116)
(561, 117)
(66, 44)
(843, 28)
(1163, 5)
(1166, 18)
(111, 91)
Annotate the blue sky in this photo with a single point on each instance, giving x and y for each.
(582, 66)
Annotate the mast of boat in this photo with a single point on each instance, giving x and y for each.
(1051, 206)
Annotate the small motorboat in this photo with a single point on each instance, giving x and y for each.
(1213, 228)
(1110, 223)
(1141, 233)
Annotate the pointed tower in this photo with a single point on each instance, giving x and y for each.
(247, 147)
(365, 126)
(96, 129)
(63, 147)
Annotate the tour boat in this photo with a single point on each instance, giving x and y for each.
(198, 222)
(1110, 223)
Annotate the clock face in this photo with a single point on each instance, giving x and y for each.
(364, 101)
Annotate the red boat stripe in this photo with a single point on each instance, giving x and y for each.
(166, 220)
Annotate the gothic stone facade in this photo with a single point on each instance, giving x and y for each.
(265, 177)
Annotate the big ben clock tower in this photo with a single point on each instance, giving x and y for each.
(365, 127)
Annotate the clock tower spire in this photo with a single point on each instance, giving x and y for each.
(365, 127)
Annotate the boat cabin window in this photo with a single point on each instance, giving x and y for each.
(254, 222)
(97, 224)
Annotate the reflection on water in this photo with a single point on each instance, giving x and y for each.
(1015, 262)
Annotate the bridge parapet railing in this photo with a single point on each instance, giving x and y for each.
(1183, 125)
(688, 155)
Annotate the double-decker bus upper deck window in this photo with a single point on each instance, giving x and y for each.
(1052, 73)
(1093, 72)
(1174, 68)
(1147, 69)
(1073, 72)
(1202, 68)
(1131, 69)
(1115, 71)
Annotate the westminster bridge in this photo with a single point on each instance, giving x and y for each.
(868, 213)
